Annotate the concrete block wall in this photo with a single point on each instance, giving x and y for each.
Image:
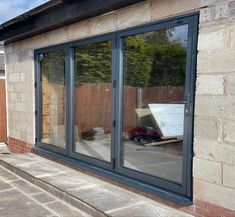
(214, 142)
(20, 82)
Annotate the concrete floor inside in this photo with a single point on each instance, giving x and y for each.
(164, 161)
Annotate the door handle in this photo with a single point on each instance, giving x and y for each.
(187, 104)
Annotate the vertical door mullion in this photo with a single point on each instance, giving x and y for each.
(69, 69)
(37, 97)
(113, 106)
(119, 101)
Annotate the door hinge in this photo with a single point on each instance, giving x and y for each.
(114, 123)
(36, 112)
(35, 85)
(36, 139)
(114, 83)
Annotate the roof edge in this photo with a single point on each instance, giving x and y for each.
(35, 11)
(55, 14)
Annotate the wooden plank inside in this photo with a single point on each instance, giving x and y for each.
(162, 142)
(3, 119)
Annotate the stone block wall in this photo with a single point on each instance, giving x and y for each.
(214, 141)
(20, 97)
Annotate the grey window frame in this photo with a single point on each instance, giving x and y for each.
(72, 153)
(183, 189)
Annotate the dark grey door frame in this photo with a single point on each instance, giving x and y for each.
(38, 99)
(72, 153)
(185, 187)
(115, 165)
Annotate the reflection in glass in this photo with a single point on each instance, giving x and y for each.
(52, 65)
(153, 111)
(93, 97)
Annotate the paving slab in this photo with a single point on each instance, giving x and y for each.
(15, 204)
(144, 209)
(66, 211)
(42, 197)
(6, 175)
(106, 197)
(25, 186)
(90, 194)
(4, 185)
(21, 158)
(69, 183)
(19, 198)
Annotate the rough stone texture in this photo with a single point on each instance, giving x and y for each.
(210, 106)
(214, 123)
(167, 8)
(230, 87)
(212, 174)
(216, 61)
(229, 129)
(229, 175)
(216, 194)
(210, 84)
(78, 30)
(215, 151)
(215, 95)
(213, 40)
(21, 95)
(139, 14)
(209, 125)
(105, 23)
(214, 12)
(58, 36)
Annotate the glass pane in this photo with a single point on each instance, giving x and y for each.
(154, 79)
(52, 65)
(93, 98)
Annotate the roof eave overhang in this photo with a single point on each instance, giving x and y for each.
(56, 14)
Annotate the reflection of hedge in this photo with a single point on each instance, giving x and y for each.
(146, 64)
(93, 63)
(149, 65)
(168, 65)
(138, 60)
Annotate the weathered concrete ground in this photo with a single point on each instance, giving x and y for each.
(19, 198)
(90, 194)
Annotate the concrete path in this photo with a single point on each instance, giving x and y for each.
(19, 198)
(90, 194)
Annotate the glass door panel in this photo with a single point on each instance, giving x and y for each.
(53, 98)
(153, 102)
(93, 100)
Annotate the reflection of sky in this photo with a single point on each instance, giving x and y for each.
(180, 34)
(12, 8)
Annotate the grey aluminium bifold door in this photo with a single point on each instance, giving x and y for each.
(123, 102)
(93, 101)
(51, 99)
(156, 88)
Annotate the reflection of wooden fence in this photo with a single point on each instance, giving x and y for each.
(93, 103)
(3, 117)
(93, 106)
